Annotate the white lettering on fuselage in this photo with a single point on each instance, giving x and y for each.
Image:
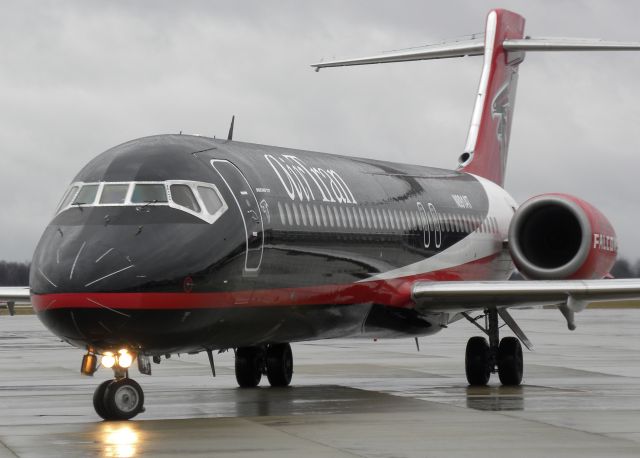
(461, 201)
(605, 243)
(309, 183)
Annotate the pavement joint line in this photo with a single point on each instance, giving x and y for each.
(306, 439)
(2, 443)
(633, 443)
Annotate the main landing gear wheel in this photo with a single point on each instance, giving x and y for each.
(249, 366)
(501, 356)
(510, 363)
(477, 361)
(279, 364)
(120, 399)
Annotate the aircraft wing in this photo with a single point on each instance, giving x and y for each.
(13, 295)
(568, 295)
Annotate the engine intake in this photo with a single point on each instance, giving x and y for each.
(557, 236)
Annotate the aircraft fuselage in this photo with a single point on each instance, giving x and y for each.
(297, 245)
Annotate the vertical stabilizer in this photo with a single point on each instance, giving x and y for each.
(503, 47)
(487, 144)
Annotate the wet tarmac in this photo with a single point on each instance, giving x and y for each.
(581, 397)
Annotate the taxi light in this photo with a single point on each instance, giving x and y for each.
(108, 360)
(124, 359)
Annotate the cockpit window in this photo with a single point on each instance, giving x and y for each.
(114, 193)
(199, 199)
(68, 197)
(87, 195)
(211, 200)
(182, 195)
(146, 193)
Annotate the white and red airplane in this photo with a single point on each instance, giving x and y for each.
(184, 244)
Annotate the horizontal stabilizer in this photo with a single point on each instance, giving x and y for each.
(476, 47)
(569, 44)
(438, 51)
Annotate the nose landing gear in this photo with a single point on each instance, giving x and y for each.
(118, 399)
(121, 398)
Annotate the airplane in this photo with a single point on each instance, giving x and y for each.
(186, 244)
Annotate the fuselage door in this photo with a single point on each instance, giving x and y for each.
(249, 209)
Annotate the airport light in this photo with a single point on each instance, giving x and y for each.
(108, 360)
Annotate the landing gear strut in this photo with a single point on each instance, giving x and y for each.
(275, 361)
(483, 358)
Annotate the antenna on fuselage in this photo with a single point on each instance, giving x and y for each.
(233, 120)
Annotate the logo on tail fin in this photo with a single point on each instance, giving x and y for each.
(502, 107)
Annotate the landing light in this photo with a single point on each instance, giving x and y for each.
(125, 359)
(108, 360)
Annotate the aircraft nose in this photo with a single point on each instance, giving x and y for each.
(75, 260)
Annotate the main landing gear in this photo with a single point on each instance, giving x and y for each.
(275, 360)
(504, 356)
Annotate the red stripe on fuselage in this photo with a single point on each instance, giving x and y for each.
(391, 292)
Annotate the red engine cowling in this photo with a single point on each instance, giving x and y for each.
(557, 236)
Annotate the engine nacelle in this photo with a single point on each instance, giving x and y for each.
(557, 236)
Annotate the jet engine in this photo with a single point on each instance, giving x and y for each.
(558, 236)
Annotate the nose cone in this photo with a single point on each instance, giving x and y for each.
(83, 259)
(96, 284)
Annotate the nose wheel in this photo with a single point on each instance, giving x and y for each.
(119, 399)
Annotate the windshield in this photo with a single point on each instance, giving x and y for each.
(199, 199)
(145, 193)
(87, 195)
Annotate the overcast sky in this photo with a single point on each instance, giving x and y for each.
(77, 78)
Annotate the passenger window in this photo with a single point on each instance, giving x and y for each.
(289, 217)
(337, 216)
(182, 195)
(114, 193)
(349, 216)
(385, 215)
(363, 221)
(281, 212)
(323, 213)
(68, 197)
(87, 195)
(211, 199)
(344, 217)
(330, 215)
(303, 214)
(369, 219)
(310, 214)
(317, 214)
(377, 218)
(296, 215)
(145, 193)
(356, 220)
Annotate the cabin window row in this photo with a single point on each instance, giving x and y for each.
(362, 217)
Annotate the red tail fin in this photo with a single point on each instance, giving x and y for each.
(488, 140)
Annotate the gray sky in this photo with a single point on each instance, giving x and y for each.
(79, 77)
